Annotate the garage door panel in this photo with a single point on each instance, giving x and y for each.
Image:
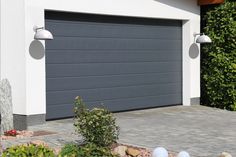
(74, 43)
(95, 29)
(102, 94)
(73, 70)
(111, 57)
(151, 101)
(122, 52)
(125, 63)
(88, 82)
(66, 110)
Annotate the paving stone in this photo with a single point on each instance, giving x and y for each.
(202, 131)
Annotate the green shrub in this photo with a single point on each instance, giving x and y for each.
(219, 58)
(87, 150)
(69, 150)
(92, 150)
(28, 151)
(97, 126)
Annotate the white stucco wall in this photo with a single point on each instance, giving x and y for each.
(27, 75)
(13, 50)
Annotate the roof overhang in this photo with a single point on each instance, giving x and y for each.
(206, 2)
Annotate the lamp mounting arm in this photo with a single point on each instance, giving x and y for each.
(36, 28)
(196, 34)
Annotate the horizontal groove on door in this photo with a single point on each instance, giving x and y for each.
(112, 93)
(110, 81)
(99, 102)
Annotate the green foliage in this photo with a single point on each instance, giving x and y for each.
(219, 58)
(28, 151)
(69, 150)
(89, 150)
(97, 126)
(92, 150)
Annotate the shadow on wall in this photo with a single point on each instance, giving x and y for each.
(36, 50)
(186, 5)
(194, 51)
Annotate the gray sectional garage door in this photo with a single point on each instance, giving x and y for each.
(124, 63)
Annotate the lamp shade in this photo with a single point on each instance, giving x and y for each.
(43, 34)
(202, 39)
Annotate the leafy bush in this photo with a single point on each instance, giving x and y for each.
(87, 150)
(97, 126)
(92, 150)
(219, 58)
(69, 150)
(28, 151)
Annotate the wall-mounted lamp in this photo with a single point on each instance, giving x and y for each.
(42, 34)
(202, 38)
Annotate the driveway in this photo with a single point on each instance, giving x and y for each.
(202, 131)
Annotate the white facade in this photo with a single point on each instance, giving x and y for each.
(27, 75)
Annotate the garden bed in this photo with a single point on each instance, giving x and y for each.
(122, 150)
(24, 134)
(135, 151)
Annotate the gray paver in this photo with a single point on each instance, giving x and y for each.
(202, 131)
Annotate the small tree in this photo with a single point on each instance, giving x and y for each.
(218, 69)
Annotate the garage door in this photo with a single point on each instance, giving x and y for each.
(122, 63)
